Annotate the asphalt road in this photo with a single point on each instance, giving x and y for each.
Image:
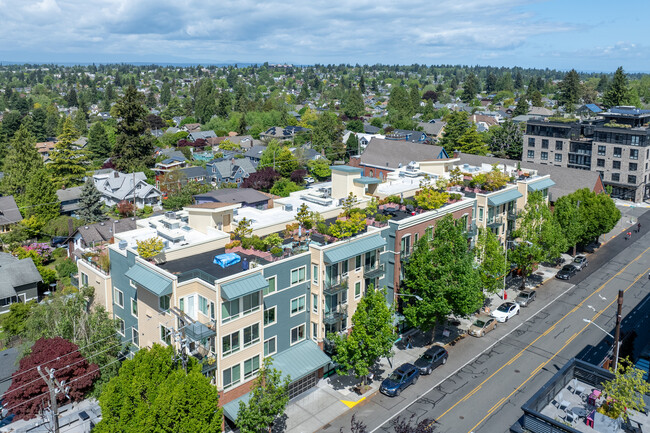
(487, 380)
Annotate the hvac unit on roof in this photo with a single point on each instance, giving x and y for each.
(122, 245)
(170, 215)
(288, 207)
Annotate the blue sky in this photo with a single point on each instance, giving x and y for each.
(586, 35)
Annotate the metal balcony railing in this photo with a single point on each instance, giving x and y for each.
(512, 214)
(372, 271)
(336, 285)
(335, 314)
(495, 222)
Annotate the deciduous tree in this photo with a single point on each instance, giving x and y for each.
(491, 256)
(150, 247)
(625, 392)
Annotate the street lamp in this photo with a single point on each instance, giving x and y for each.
(619, 343)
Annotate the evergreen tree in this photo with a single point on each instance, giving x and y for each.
(352, 145)
(522, 107)
(90, 204)
(40, 202)
(68, 165)
(304, 93)
(619, 91)
(570, 90)
(399, 105)
(457, 123)
(536, 99)
(603, 83)
(71, 98)
(414, 95)
(11, 122)
(133, 149)
(470, 88)
(506, 140)
(79, 122)
(471, 142)
(39, 117)
(20, 163)
(205, 105)
(353, 104)
(491, 83)
(98, 144)
(362, 84)
(166, 94)
(224, 105)
(519, 81)
(52, 121)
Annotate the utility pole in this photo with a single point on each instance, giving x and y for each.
(135, 206)
(55, 387)
(184, 349)
(617, 332)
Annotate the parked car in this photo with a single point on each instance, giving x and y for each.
(580, 262)
(405, 375)
(566, 272)
(432, 358)
(505, 311)
(525, 297)
(591, 247)
(482, 325)
(309, 180)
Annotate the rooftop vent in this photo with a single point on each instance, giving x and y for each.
(122, 245)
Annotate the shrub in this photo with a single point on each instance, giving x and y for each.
(66, 267)
(276, 251)
(125, 208)
(273, 240)
(233, 244)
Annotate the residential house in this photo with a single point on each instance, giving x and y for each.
(433, 128)
(588, 110)
(254, 154)
(116, 187)
(406, 135)
(197, 135)
(540, 112)
(192, 127)
(93, 235)
(229, 170)
(9, 214)
(171, 163)
(80, 143)
(19, 282)
(363, 138)
(483, 122)
(283, 134)
(70, 199)
(45, 149)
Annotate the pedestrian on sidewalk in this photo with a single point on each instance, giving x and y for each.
(638, 228)
(409, 340)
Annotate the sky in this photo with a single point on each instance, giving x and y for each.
(590, 36)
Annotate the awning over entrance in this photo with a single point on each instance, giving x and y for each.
(353, 249)
(230, 410)
(505, 197)
(150, 280)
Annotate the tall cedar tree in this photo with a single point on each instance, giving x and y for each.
(619, 91)
(457, 124)
(268, 400)
(399, 105)
(353, 104)
(28, 393)
(470, 88)
(570, 90)
(39, 117)
(165, 94)
(414, 95)
(98, 144)
(442, 273)
(522, 107)
(90, 203)
(133, 149)
(205, 104)
(371, 338)
(40, 200)
(152, 393)
(20, 163)
(68, 165)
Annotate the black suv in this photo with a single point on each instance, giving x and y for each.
(566, 272)
(432, 358)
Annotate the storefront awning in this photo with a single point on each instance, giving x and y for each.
(231, 409)
(354, 248)
(504, 197)
(300, 360)
(243, 286)
(150, 280)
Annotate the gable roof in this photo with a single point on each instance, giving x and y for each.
(67, 194)
(120, 185)
(16, 273)
(231, 195)
(193, 172)
(9, 212)
(255, 152)
(196, 135)
(102, 231)
(390, 154)
(433, 129)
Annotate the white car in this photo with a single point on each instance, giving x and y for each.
(506, 311)
(309, 180)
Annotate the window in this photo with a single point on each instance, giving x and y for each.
(616, 165)
(634, 153)
(230, 343)
(480, 214)
(251, 367)
(269, 316)
(617, 152)
(357, 290)
(229, 310)
(120, 326)
(357, 263)
(269, 347)
(314, 303)
(314, 274)
(84, 279)
(314, 331)
(558, 145)
(231, 376)
(634, 140)
(134, 307)
(203, 305)
(633, 166)
(558, 157)
(344, 268)
(298, 275)
(416, 238)
(251, 334)
(531, 142)
(600, 162)
(181, 304)
(406, 246)
(119, 297)
(298, 305)
(164, 302)
(544, 144)
(544, 156)
(531, 154)
(165, 335)
(429, 233)
(135, 337)
(616, 177)
(272, 286)
(212, 316)
(251, 303)
(631, 179)
(298, 334)
(602, 150)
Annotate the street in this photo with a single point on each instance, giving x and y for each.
(486, 380)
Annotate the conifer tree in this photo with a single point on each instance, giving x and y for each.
(68, 165)
(40, 202)
(619, 91)
(20, 163)
(90, 204)
(133, 150)
(98, 145)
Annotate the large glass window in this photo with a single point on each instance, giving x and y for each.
(134, 307)
(251, 334)
(251, 367)
(406, 246)
(164, 302)
(617, 152)
(531, 154)
(204, 308)
(269, 347)
(230, 343)
(298, 334)
(357, 289)
(544, 156)
(314, 274)
(357, 262)
(229, 310)
(119, 297)
(269, 316)
(345, 267)
(251, 303)
(298, 275)
(634, 153)
(558, 157)
(558, 145)
(231, 376)
(531, 142)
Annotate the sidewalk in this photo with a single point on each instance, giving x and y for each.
(630, 213)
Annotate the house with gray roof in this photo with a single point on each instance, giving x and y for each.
(9, 214)
(70, 199)
(433, 128)
(99, 233)
(230, 170)
(255, 153)
(115, 187)
(19, 282)
(282, 134)
(196, 135)
(246, 196)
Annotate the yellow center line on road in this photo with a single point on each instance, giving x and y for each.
(546, 332)
(568, 341)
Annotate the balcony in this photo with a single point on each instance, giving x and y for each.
(373, 271)
(335, 285)
(196, 273)
(512, 215)
(471, 231)
(495, 222)
(333, 315)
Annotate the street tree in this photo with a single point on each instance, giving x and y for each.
(371, 338)
(268, 400)
(133, 148)
(567, 213)
(442, 273)
(625, 391)
(491, 256)
(29, 394)
(598, 214)
(153, 393)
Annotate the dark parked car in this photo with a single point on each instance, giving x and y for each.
(432, 358)
(580, 262)
(525, 297)
(402, 377)
(566, 272)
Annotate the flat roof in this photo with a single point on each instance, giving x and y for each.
(203, 262)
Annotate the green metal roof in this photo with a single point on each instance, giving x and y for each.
(353, 248)
(543, 184)
(243, 286)
(346, 169)
(231, 409)
(364, 180)
(505, 197)
(300, 360)
(150, 280)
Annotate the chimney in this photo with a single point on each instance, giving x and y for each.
(456, 153)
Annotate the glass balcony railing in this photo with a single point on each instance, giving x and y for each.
(335, 285)
(334, 314)
(373, 271)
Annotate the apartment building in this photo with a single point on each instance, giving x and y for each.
(616, 145)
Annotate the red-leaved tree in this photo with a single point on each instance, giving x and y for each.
(261, 180)
(125, 208)
(28, 393)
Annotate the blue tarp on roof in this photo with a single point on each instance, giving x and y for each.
(225, 260)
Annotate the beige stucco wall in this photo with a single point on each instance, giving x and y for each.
(99, 281)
